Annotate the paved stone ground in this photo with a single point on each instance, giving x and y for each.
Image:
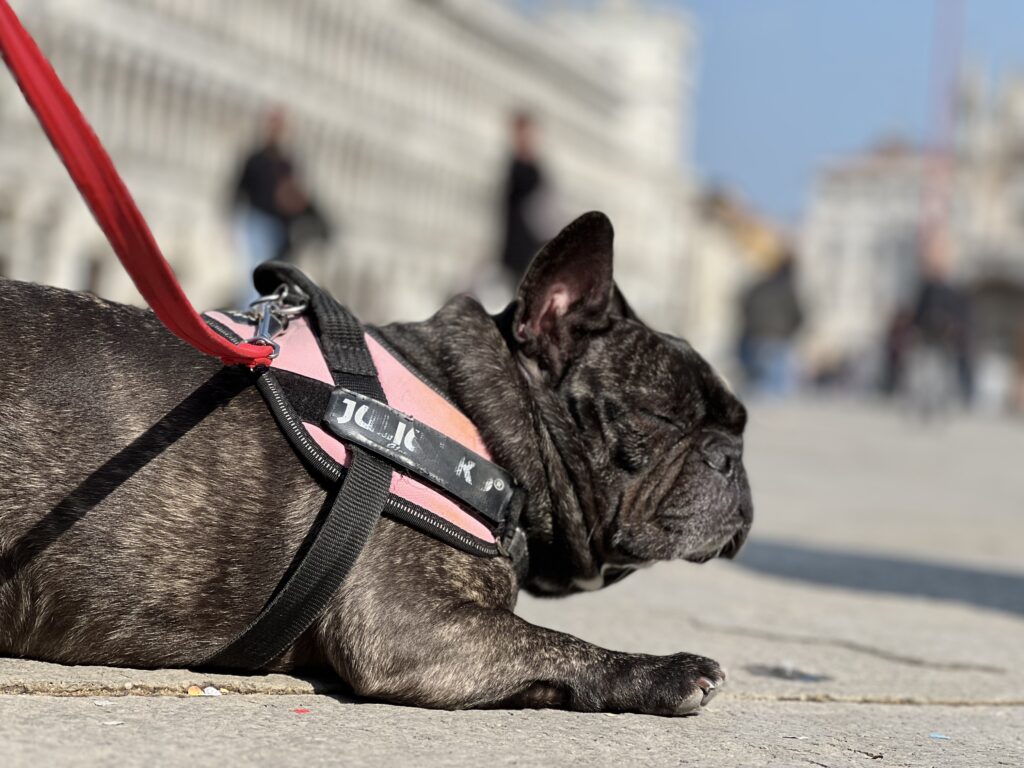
(267, 730)
(876, 617)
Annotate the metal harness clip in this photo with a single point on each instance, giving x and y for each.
(272, 314)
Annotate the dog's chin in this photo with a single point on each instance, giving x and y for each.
(646, 547)
(727, 549)
(701, 558)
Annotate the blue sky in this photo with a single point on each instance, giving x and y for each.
(786, 84)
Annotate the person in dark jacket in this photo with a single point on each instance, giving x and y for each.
(525, 187)
(771, 317)
(275, 212)
(942, 325)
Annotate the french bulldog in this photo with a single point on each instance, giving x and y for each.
(140, 477)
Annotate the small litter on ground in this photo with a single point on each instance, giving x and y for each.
(195, 690)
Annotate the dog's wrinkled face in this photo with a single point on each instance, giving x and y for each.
(659, 432)
(663, 435)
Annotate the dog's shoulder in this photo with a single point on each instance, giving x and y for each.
(46, 304)
(47, 327)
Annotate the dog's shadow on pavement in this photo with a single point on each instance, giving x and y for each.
(1002, 591)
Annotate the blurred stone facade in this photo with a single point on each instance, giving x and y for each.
(399, 112)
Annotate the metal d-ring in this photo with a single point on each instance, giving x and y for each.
(278, 302)
(275, 348)
(271, 298)
(286, 309)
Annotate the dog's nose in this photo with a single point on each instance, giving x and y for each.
(721, 453)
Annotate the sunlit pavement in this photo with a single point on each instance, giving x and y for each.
(875, 617)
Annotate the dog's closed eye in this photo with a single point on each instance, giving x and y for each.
(630, 451)
(661, 420)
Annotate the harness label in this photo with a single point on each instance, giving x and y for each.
(424, 451)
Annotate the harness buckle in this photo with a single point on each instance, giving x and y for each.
(272, 314)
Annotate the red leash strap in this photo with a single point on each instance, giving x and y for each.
(99, 183)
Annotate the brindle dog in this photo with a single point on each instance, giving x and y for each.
(141, 478)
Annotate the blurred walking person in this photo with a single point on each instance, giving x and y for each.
(274, 212)
(771, 318)
(526, 200)
(941, 365)
(528, 217)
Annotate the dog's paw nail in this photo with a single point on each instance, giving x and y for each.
(710, 688)
(706, 684)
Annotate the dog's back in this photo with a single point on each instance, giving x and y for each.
(128, 460)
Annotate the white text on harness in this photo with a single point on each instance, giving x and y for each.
(405, 435)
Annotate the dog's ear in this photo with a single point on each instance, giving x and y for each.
(567, 291)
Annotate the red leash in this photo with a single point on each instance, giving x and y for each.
(99, 183)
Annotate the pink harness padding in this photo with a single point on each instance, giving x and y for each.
(300, 353)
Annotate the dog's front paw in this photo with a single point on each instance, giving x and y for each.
(685, 683)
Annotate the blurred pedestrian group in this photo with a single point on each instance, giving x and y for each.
(927, 355)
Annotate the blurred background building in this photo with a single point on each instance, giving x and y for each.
(863, 234)
(398, 112)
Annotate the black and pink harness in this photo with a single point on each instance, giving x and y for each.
(366, 422)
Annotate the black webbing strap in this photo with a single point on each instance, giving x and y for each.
(303, 595)
(323, 568)
(340, 334)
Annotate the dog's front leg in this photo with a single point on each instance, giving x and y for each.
(464, 656)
